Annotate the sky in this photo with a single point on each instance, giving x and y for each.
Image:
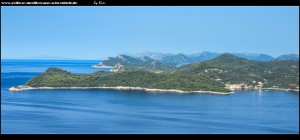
(92, 33)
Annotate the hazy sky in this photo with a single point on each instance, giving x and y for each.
(99, 32)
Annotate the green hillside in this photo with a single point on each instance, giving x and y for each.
(228, 68)
(55, 77)
(127, 63)
(211, 75)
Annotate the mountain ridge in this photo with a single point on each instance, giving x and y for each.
(233, 70)
(288, 57)
(219, 74)
(181, 59)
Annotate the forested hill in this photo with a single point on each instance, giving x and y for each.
(211, 75)
(159, 62)
(127, 63)
(55, 77)
(228, 68)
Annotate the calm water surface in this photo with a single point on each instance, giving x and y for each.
(110, 111)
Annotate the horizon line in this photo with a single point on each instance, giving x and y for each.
(125, 53)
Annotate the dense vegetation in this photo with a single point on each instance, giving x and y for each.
(141, 59)
(129, 63)
(209, 75)
(231, 69)
(55, 77)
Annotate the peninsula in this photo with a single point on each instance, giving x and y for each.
(56, 78)
(218, 75)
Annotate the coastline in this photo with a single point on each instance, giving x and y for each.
(102, 67)
(19, 88)
(285, 89)
(297, 90)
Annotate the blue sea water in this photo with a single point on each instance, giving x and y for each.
(111, 111)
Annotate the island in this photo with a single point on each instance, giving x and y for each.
(220, 75)
(56, 78)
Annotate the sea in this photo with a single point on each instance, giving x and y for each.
(95, 111)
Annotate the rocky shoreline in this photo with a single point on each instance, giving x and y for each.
(23, 87)
(285, 89)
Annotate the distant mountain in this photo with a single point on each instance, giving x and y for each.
(231, 69)
(288, 57)
(184, 59)
(203, 56)
(152, 55)
(252, 56)
(160, 62)
(124, 62)
(176, 60)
